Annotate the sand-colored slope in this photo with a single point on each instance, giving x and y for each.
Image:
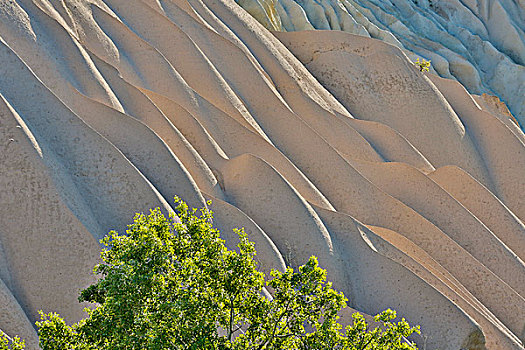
(237, 140)
(138, 105)
(85, 169)
(28, 185)
(246, 175)
(408, 192)
(436, 205)
(505, 169)
(253, 88)
(480, 43)
(58, 60)
(142, 147)
(228, 217)
(416, 260)
(389, 144)
(496, 107)
(482, 203)
(13, 319)
(178, 49)
(402, 287)
(362, 73)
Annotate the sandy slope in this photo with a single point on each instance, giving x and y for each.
(480, 43)
(408, 189)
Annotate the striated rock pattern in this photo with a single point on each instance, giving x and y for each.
(480, 43)
(410, 190)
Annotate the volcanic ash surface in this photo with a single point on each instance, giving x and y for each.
(409, 190)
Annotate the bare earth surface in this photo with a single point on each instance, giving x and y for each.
(480, 43)
(409, 190)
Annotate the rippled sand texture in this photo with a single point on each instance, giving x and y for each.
(409, 190)
(480, 43)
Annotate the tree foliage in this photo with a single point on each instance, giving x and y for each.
(7, 343)
(167, 284)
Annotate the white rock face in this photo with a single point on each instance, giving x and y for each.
(480, 43)
(409, 189)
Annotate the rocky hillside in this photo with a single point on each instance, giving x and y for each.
(480, 43)
(409, 189)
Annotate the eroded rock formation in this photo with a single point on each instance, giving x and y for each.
(410, 190)
(480, 43)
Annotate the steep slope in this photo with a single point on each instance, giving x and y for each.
(409, 189)
(480, 43)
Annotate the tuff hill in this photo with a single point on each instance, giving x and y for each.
(409, 189)
(479, 43)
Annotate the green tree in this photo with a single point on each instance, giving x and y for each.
(7, 343)
(169, 284)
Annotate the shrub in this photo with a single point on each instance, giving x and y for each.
(423, 66)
